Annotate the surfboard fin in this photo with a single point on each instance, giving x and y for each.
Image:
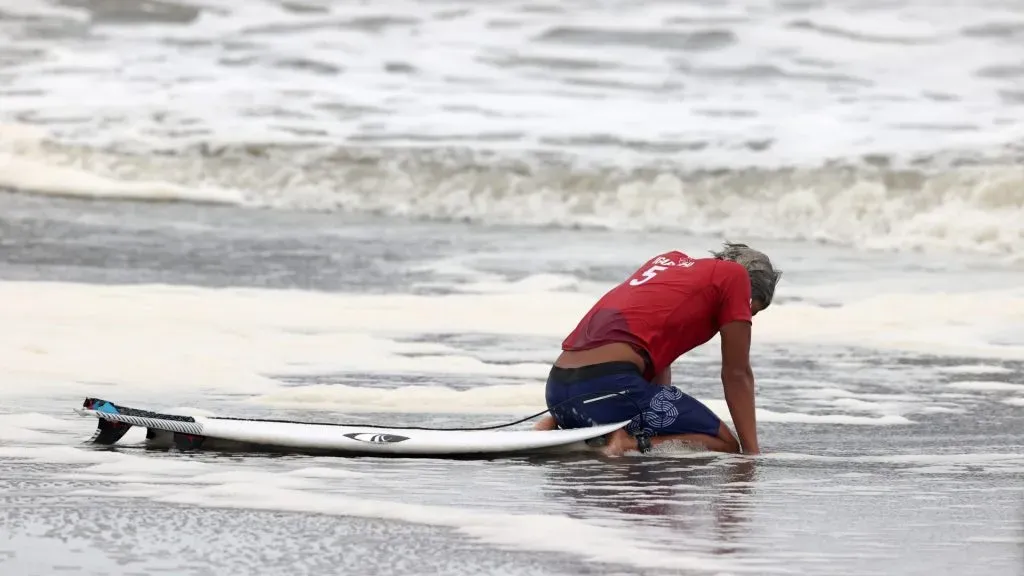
(107, 432)
(186, 442)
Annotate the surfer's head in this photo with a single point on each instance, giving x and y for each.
(763, 275)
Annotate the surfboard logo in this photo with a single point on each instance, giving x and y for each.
(374, 438)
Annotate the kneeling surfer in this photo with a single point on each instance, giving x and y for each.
(620, 355)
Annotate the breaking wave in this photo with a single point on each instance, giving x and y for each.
(874, 205)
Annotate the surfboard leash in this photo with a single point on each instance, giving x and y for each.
(643, 438)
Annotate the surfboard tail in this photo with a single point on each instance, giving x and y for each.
(108, 432)
(114, 421)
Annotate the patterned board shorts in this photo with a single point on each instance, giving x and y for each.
(616, 391)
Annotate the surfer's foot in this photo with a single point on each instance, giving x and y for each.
(546, 423)
(619, 442)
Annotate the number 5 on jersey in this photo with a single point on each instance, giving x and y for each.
(647, 275)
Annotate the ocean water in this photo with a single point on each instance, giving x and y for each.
(394, 212)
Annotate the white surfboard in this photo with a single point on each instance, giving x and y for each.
(191, 431)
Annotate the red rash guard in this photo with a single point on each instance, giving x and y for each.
(669, 306)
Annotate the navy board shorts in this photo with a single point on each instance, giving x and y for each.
(613, 391)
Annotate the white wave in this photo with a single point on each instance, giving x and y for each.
(32, 176)
(773, 84)
(824, 124)
(983, 386)
(974, 369)
(965, 209)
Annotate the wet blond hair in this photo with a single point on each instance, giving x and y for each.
(763, 275)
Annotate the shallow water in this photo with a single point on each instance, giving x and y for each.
(395, 214)
(879, 457)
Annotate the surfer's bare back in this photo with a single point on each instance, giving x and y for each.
(617, 363)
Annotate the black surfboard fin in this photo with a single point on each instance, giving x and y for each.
(186, 442)
(107, 431)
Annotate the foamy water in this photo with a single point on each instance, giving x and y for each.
(447, 187)
(472, 355)
(258, 333)
(827, 123)
(520, 74)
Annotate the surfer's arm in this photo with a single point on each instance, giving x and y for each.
(738, 383)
